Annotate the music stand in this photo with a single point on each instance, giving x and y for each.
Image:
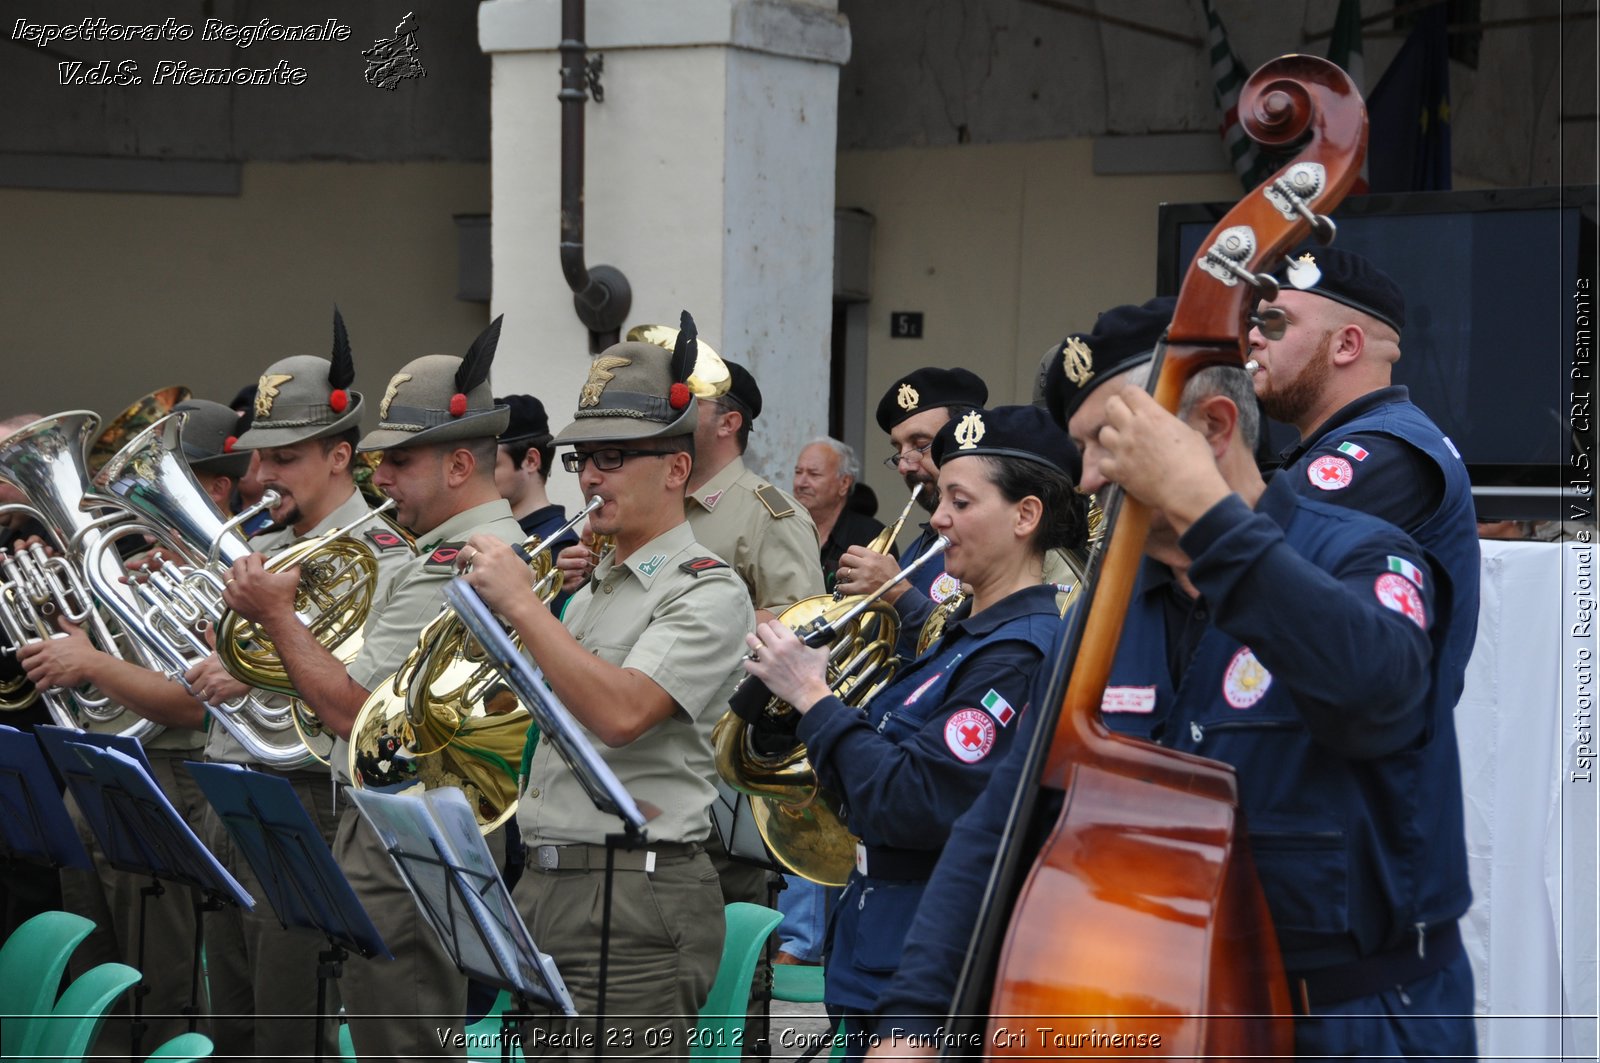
(295, 867)
(141, 833)
(434, 841)
(34, 825)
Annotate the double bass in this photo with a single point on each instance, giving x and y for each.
(1140, 927)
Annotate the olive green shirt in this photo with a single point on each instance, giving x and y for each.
(376, 535)
(682, 626)
(768, 538)
(415, 596)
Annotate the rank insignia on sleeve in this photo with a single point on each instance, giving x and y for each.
(1397, 593)
(444, 557)
(384, 539)
(970, 735)
(702, 564)
(1330, 473)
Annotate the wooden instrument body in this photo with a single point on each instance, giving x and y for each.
(1141, 929)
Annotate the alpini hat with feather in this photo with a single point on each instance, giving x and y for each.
(638, 390)
(305, 397)
(440, 398)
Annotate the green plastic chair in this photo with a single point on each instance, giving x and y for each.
(184, 1048)
(720, 1032)
(482, 1036)
(70, 1030)
(31, 963)
(797, 983)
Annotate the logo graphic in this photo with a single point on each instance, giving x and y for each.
(393, 390)
(970, 431)
(392, 60)
(970, 735)
(1077, 361)
(1246, 681)
(907, 397)
(601, 370)
(267, 390)
(1329, 473)
(1397, 593)
(944, 587)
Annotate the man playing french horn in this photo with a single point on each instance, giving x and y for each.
(304, 428)
(437, 429)
(645, 657)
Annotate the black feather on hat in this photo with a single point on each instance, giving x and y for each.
(342, 373)
(474, 369)
(687, 350)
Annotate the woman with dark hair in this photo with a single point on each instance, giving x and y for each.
(924, 747)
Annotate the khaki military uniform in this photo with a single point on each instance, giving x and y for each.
(263, 977)
(768, 538)
(394, 1009)
(683, 626)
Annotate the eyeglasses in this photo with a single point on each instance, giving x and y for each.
(1272, 322)
(608, 460)
(893, 460)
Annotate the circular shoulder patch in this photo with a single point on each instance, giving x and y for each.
(1330, 473)
(943, 587)
(1246, 680)
(970, 735)
(1400, 594)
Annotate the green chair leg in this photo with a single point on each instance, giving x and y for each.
(720, 1032)
(31, 963)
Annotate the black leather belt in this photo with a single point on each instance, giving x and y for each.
(1399, 966)
(909, 865)
(581, 857)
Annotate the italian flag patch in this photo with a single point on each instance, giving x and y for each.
(998, 707)
(1406, 569)
(1353, 451)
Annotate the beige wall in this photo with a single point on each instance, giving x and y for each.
(1005, 248)
(106, 296)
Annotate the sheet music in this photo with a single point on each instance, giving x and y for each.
(34, 825)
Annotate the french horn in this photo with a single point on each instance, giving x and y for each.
(447, 718)
(756, 748)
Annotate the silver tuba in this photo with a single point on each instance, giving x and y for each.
(179, 597)
(46, 462)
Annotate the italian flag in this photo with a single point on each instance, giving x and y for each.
(1000, 708)
(1354, 451)
(1406, 569)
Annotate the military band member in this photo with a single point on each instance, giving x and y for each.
(522, 470)
(437, 429)
(645, 658)
(306, 421)
(108, 896)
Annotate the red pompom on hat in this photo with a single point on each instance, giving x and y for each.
(227, 444)
(678, 396)
(339, 399)
(458, 404)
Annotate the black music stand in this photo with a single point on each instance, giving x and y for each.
(34, 825)
(295, 867)
(435, 844)
(141, 833)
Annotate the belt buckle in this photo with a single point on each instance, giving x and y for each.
(549, 857)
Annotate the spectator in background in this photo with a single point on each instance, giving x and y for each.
(824, 475)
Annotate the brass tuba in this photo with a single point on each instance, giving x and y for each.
(179, 598)
(758, 754)
(47, 462)
(447, 718)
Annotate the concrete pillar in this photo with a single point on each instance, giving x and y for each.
(710, 184)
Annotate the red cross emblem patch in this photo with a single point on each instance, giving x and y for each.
(1401, 595)
(1330, 473)
(970, 735)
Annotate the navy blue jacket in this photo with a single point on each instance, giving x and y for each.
(930, 585)
(912, 763)
(1325, 716)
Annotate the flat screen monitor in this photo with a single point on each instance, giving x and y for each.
(1495, 283)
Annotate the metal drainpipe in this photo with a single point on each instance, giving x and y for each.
(601, 294)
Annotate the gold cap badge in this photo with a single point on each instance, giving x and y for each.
(601, 370)
(1304, 272)
(907, 397)
(388, 396)
(970, 431)
(1077, 361)
(267, 390)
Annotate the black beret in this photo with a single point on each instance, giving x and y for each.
(742, 388)
(1025, 432)
(1123, 337)
(927, 389)
(1346, 277)
(529, 425)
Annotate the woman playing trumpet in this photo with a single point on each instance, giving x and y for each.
(926, 744)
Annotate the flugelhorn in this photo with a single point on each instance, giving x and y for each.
(180, 596)
(446, 718)
(758, 753)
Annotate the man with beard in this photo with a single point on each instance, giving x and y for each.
(912, 411)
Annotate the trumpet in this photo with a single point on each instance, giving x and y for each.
(757, 752)
(446, 718)
(176, 601)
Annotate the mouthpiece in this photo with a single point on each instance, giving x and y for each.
(1251, 366)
